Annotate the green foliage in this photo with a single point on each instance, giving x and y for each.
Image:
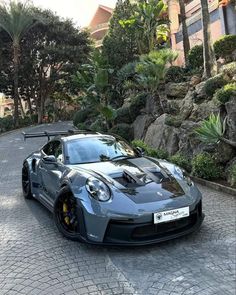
(232, 175)
(225, 47)
(175, 74)
(123, 115)
(150, 24)
(81, 116)
(137, 103)
(151, 152)
(181, 161)
(152, 67)
(120, 39)
(195, 57)
(213, 84)
(229, 69)
(212, 129)
(6, 124)
(98, 126)
(123, 130)
(204, 166)
(226, 93)
(174, 121)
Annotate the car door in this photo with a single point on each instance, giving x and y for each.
(51, 173)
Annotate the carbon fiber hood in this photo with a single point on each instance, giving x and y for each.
(141, 179)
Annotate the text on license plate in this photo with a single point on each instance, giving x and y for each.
(170, 215)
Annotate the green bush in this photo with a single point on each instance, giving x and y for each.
(229, 69)
(226, 93)
(181, 161)
(232, 175)
(81, 116)
(204, 166)
(213, 84)
(137, 103)
(6, 124)
(98, 126)
(225, 46)
(195, 57)
(175, 74)
(123, 115)
(123, 130)
(174, 121)
(151, 152)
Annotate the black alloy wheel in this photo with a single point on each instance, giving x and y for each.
(66, 215)
(26, 183)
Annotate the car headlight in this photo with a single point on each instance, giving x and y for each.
(98, 189)
(183, 175)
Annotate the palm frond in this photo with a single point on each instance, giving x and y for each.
(211, 129)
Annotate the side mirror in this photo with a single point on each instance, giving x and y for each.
(50, 159)
(140, 151)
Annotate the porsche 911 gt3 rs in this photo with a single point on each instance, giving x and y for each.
(103, 191)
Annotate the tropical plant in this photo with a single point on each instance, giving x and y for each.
(152, 67)
(175, 74)
(181, 161)
(212, 130)
(150, 22)
(17, 19)
(208, 51)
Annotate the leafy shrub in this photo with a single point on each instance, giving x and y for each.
(229, 69)
(225, 46)
(6, 124)
(174, 121)
(81, 116)
(98, 126)
(225, 93)
(232, 175)
(175, 74)
(181, 161)
(195, 57)
(204, 166)
(156, 153)
(137, 103)
(213, 84)
(123, 115)
(123, 130)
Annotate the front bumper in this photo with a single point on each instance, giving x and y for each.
(120, 232)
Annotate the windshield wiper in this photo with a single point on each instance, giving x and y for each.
(122, 156)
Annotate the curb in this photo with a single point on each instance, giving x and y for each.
(216, 186)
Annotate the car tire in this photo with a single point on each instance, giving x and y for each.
(26, 182)
(66, 215)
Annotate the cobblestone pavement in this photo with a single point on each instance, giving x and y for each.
(36, 259)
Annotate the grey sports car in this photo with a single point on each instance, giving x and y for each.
(103, 191)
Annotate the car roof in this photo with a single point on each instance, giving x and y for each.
(84, 135)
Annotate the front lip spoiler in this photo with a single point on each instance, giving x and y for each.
(194, 228)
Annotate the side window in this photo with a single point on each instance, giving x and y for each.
(54, 148)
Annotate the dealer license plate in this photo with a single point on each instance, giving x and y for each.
(171, 215)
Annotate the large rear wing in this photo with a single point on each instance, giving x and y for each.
(50, 134)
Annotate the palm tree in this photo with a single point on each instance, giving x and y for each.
(208, 51)
(16, 19)
(186, 43)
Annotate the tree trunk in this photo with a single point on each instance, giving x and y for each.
(208, 52)
(16, 82)
(186, 43)
(21, 107)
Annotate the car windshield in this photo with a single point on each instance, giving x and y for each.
(97, 149)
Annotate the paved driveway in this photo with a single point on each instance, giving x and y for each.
(36, 259)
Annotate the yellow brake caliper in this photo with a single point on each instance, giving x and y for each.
(65, 210)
